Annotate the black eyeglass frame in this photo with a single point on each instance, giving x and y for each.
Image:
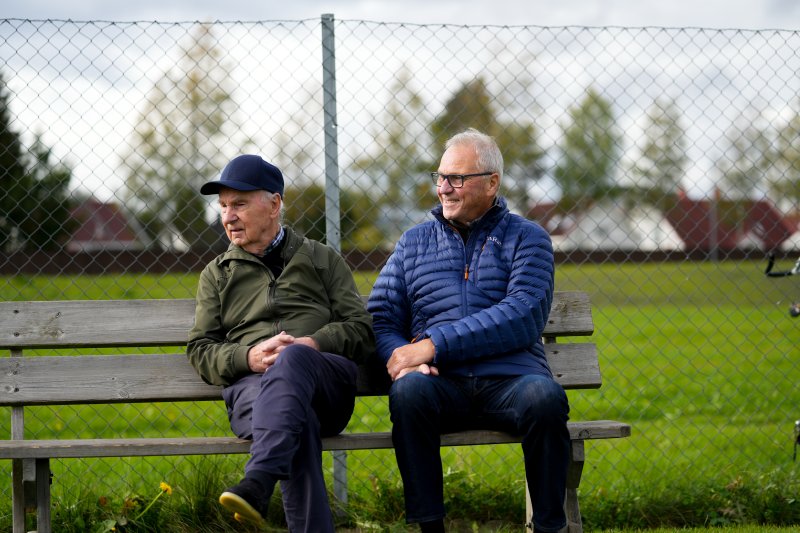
(450, 177)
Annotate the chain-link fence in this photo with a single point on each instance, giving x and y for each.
(664, 162)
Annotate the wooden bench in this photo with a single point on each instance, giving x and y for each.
(109, 379)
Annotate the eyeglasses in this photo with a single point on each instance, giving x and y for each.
(456, 181)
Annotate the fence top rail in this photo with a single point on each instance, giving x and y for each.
(108, 323)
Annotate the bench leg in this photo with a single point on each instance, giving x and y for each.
(574, 473)
(17, 496)
(528, 521)
(339, 481)
(571, 507)
(43, 496)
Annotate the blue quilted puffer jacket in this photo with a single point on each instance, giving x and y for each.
(484, 304)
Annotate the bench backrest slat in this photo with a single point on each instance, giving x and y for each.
(100, 323)
(95, 323)
(48, 380)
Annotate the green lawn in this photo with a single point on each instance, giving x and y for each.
(700, 358)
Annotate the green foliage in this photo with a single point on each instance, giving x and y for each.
(473, 106)
(12, 169)
(748, 159)
(589, 151)
(747, 498)
(133, 513)
(398, 159)
(663, 158)
(785, 183)
(472, 504)
(34, 191)
(305, 211)
(42, 212)
(180, 143)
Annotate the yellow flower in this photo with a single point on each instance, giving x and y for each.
(164, 489)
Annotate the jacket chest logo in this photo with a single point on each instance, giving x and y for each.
(492, 238)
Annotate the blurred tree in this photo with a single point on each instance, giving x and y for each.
(784, 180)
(747, 159)
(393, 169)
(743, 168)
(298, 154)
(34, 191)
(305, 211)
(49, 222)
(589, 153)
(299, 140)
(396, 161)
(180, 142)
(662, 160)
(473, 106)
(12, 175)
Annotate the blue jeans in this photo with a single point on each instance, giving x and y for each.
(531, 406)
(304, 396)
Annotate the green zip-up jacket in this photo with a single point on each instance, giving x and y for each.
(240, 303)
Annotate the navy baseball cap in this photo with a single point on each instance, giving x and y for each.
(247, 173)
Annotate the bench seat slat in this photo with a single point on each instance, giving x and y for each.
(138, 447)
(95, 323)
(49, 380)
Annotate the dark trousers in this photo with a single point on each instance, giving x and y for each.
(304, 396)
(534, 407)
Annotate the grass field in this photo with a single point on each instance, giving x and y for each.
(700, 358)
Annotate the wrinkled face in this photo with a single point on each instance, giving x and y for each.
(470, 202)
(250, 218)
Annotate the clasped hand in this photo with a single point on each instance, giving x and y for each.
(263, 355)
(414, 357)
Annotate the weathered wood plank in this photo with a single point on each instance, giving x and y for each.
(94, 323)
(49, 380)
(84, 323)
(137, 447)
(101, 379)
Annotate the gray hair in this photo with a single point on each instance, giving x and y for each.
(490, 159)
(269, 196)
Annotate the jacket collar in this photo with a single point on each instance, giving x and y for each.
(293, 242)
(489, 218)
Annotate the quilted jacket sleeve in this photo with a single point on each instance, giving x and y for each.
(389, 306)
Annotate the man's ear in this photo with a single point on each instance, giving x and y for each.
(277, 201)
(494, 184)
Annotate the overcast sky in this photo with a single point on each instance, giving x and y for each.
(86, 121)
(743, 14)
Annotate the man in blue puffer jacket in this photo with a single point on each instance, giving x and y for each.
(458, 313)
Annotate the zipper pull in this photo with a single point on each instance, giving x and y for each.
(466, 272)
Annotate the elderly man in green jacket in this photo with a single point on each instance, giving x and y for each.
(280, 324)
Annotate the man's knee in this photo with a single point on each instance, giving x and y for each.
(297, 355)
(544, 398)
(411, 393)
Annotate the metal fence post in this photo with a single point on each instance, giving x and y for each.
(332, 214)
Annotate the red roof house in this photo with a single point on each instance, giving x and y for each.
(101, 226)
(729, 224)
